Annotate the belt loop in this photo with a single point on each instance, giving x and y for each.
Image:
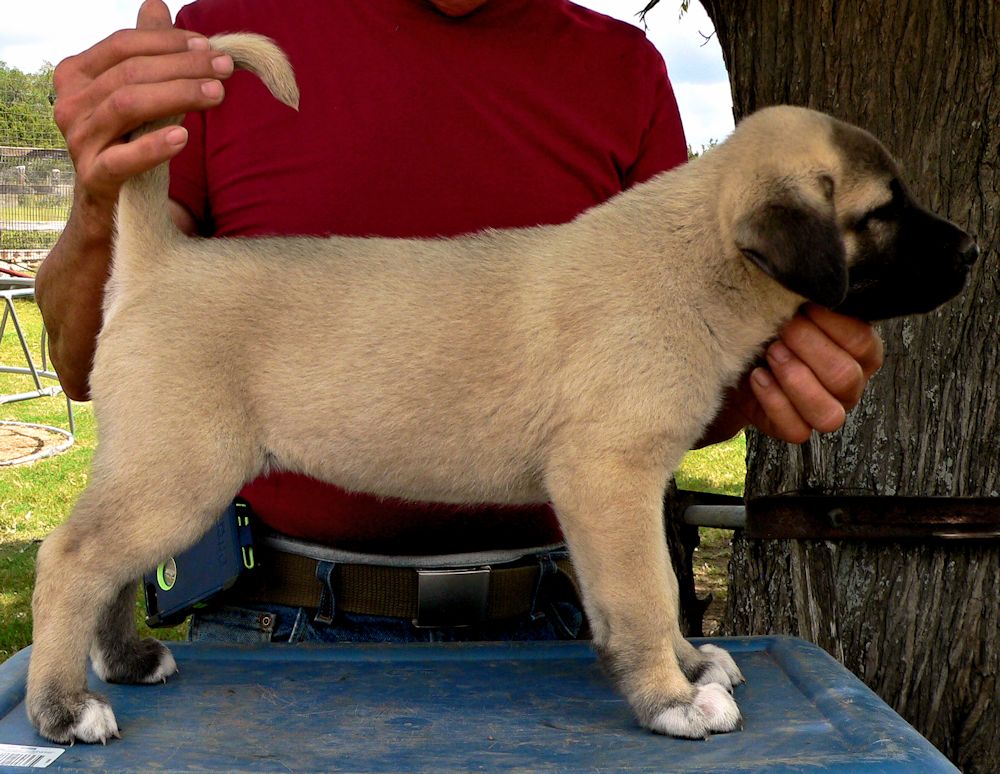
(327, 604)
(547, 568)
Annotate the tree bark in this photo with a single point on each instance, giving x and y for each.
(918, 623)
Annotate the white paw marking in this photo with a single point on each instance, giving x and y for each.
(719, 708)
(720, 668)
(166, 668)
(712, 711)
(96, 724)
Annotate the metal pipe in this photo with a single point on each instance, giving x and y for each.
(720, 516)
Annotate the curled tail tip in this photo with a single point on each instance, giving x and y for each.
(286, 92)
(290, 97)
(263, 57)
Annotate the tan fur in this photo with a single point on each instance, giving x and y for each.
(575, 363)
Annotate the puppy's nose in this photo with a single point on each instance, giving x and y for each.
(968, 251)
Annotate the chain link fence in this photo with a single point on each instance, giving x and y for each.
(36, 174)
(36, 191)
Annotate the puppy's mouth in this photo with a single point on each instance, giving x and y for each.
(882, 298)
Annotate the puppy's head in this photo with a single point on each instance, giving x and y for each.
(827, 215)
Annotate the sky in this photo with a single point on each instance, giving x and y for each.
(38, 31)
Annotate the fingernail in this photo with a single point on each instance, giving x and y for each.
(779, 352)
(762, 377)
(198, 44)
(177, 136)
(223, 65)
(211, 89)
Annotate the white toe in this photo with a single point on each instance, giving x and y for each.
(712, 711)
(718, 707)
(166, 668)
(96, 724)
(720, 669)
(681, 720)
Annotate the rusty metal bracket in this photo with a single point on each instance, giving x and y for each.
(872, 517)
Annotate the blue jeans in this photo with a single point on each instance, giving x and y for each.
(279, 623)
(557, 616)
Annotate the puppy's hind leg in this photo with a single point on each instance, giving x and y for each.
(610, 509)
(142, 504)
(118, 655)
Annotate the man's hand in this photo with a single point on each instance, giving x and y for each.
(129, 78)
(126, 80)
(816, 371)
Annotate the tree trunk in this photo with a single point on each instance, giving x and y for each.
(919, 623)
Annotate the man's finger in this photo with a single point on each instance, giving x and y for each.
(813, 402)
(836, 369)
(855, 336)
(125, 44)
(166, 68)
(782, 420)
(153, 15)
(126, 159)
(131, 106)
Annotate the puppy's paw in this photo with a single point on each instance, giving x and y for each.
(712, 711)
(138, 661)
(96, 722)
(84, 717)
(717, 666)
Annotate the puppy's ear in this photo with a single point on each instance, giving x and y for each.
(797, 245)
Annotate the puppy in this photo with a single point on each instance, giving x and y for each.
(572, 363)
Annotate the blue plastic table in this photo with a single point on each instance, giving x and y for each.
(496, 707)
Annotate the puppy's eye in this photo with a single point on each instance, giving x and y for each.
(826, 184)
(885, 213)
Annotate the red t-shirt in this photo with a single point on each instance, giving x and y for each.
(414, 124)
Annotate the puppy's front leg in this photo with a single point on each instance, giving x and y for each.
(610, 510)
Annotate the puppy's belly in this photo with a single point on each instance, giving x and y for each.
(430, 470)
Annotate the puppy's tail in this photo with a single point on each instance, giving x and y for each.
(143, 219)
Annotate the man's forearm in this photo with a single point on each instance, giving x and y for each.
(69, 290)
(102, 94)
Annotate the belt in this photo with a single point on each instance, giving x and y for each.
(430, 596)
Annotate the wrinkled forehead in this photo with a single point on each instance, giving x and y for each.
(867, 167)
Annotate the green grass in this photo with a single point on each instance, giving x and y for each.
(31, 208)
(37, 497)
(27, 240)
(33, 498)
(720, 468)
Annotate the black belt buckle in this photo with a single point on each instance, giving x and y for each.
(452, 597)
